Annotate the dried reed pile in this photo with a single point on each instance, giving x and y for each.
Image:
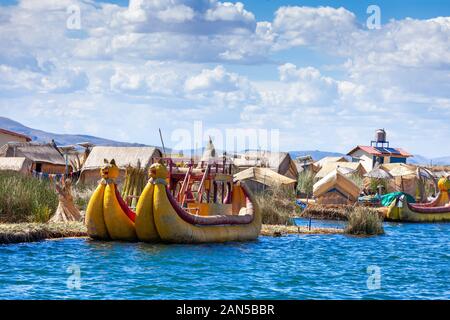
(135, 181)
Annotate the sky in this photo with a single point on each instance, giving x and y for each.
(321, 74)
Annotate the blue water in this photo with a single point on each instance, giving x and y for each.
(413, 262)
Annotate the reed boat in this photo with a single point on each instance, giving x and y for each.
(437, 210)
(235, 218)
(185, 204)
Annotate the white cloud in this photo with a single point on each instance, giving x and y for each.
(46, 4)
(183, 59)
(151, 78)
(20, 80)
(125, 81)
(303, 88)
(70, 80)
(176, 14)
(289, 72)
(219, 88)
(227, 11)
(216, 79)
(300, 26)
(135, 12)
(13, 79)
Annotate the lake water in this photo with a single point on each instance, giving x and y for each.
(411, 261)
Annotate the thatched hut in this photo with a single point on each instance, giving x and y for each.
(124, 157)
(280, 162)
(379, 173)
(346, 168)
(325, 160)
(405, 178)
(260, 179)
(45, 158)
(20, 164)
(335, 188)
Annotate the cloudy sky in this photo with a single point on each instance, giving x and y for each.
(315, 70)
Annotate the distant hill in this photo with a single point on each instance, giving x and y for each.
(440, 161)
(315, 154)
(60, 139)
(417, 159)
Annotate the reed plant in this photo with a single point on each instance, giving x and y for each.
(305, 182)
(82, 194)
(326, 212)
(277, 205)
(26, 199)
(364, 221)
(376, 183)
(357, 179)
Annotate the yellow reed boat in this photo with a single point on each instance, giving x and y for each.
(435, 211)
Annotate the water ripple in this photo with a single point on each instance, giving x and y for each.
(413, 259)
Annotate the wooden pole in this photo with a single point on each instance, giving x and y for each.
(66, 158)
(162, 141)
(215, 191)
(202, 184)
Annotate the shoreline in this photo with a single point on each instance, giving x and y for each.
(31, 232)
(281, 230)
(334, 212)
(11, 233)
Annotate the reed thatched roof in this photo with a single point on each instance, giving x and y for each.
(379, 173)
(325, 160)
(281, 162)
(347, 168)
(335, 180)
(265, 176)
(124, 156)
(20, 164)
(400, 169)
(43, 153)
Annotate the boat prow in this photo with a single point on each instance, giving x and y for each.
(108, 216)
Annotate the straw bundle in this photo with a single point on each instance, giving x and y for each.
(66, 211)
(135, 180)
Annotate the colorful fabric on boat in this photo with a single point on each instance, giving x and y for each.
(387, 199)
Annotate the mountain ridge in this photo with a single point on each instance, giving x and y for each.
(60, 139)
(69, 139)
(416, 159)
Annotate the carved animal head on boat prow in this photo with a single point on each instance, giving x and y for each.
(158, 171)
(109, 170)
(444, 184)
